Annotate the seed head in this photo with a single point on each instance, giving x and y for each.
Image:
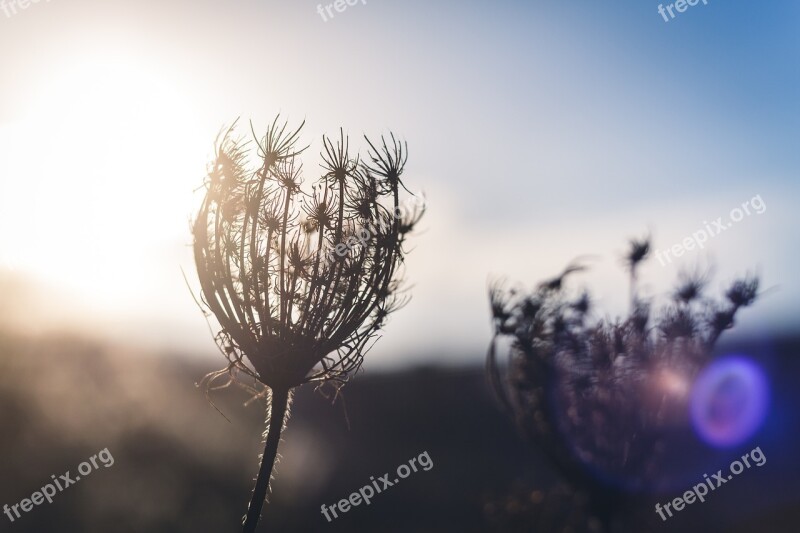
(598, 395)
(291, 307)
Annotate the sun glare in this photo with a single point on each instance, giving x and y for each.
(98, 174)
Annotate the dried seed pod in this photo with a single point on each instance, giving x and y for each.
(298, 290)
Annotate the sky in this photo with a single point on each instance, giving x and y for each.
(539, 132)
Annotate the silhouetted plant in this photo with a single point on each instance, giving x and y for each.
(291, 312)
(598, 395)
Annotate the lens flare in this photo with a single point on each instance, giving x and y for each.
(729, 401)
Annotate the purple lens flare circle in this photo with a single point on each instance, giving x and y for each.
(729, 401)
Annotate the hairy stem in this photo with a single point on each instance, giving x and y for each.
(278, 409)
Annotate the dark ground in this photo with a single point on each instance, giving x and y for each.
(181, 467)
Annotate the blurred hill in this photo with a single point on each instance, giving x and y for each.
(180, 466)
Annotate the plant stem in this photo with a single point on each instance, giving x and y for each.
(278, 408)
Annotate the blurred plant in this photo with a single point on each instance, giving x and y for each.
(291, 313)
(597, 396)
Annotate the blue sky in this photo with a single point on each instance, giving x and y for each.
(539, 130)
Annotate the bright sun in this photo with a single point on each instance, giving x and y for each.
(98, 176)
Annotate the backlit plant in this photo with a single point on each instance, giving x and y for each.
(291, 312)
(597, 396)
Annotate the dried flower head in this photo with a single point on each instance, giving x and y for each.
(598, 395)
(299, 280)
(292, 309)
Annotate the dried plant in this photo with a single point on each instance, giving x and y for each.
(597, 396)
(291, 311)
